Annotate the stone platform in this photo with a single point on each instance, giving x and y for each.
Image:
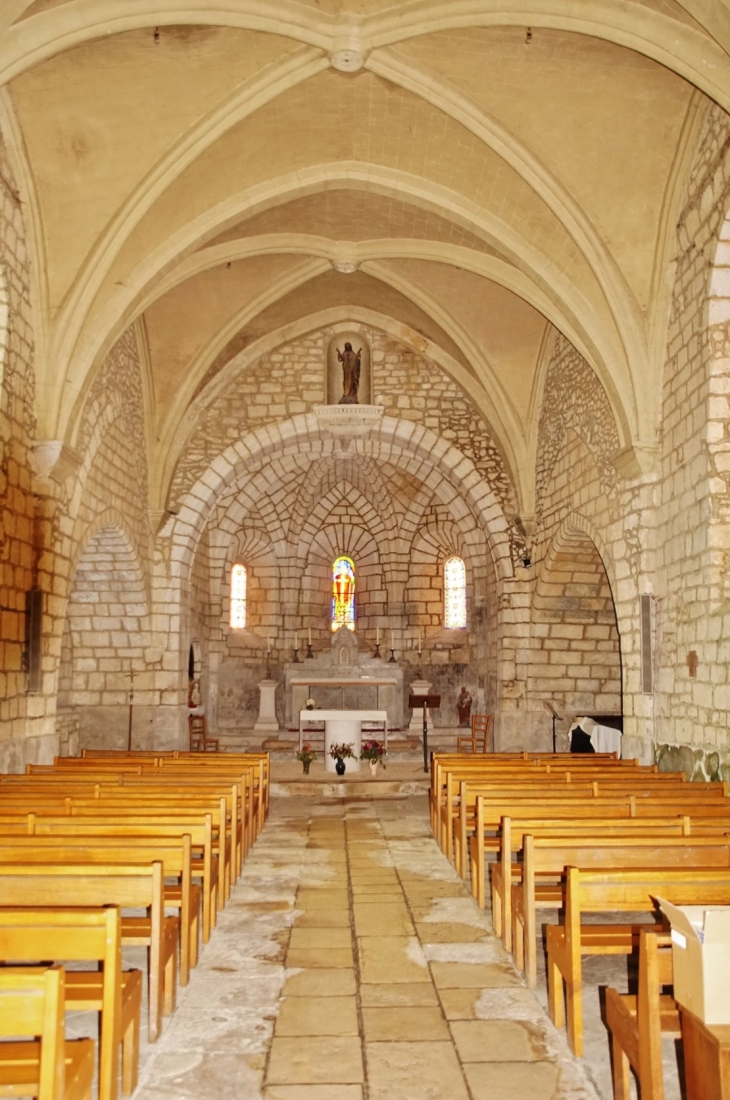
(400, 779)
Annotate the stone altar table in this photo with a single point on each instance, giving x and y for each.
(343, 727)
(344, 679)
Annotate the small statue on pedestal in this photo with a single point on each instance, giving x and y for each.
(350, 374)
(463, 707)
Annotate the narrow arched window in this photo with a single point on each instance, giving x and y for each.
(238, 596)
(454, 594)
(343, 593)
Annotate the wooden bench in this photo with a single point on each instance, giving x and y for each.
(636, 1022)
(132, 886)
(92, 827)
(86, 935)
(506, 872)
(546, 858)
(48, 1066)
(175, 854)
(617, 890)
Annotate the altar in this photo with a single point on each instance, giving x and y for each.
(343, 679)
(344, 727)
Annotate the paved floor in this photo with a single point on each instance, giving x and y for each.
(351, 964)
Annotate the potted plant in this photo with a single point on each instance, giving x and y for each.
(339, 754)
(306, 754)
(309, 704)
(374, 752)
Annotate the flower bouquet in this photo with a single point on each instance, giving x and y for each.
(306, 754)
(374, 752)
(339, 754)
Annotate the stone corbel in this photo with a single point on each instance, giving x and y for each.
(52, 458)
(637, 460)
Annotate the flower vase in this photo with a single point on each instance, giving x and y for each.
(340, 766)
(373, 767)
(306, 764)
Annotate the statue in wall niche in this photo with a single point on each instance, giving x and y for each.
(463, 707)
(350, 374)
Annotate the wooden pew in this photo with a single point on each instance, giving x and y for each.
(489, 812)
(506, 872)
(636, 1022)
(84, 935)
(125, 885)
(613, 891)
(175, 854)
(48, 1066)
(546, 858)
(118, 829)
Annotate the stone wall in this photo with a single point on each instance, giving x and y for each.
(22, 717)
(693, 537)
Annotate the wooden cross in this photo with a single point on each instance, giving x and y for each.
(692, 662)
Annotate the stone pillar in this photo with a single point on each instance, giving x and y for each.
(266, 721)
(419, 687)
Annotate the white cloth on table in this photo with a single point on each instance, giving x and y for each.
(603, 738)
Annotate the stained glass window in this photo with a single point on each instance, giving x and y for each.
(454, 594)
(238, 596)
(343, 593)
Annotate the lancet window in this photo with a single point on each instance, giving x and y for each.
(454, 593)
(239, 577)
(343, 593)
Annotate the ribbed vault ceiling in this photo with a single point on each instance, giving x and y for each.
(490, 170)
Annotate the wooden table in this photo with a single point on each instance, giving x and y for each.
(706, 1058)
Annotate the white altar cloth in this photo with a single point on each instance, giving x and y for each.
(343, 726)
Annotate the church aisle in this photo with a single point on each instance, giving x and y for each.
(351, 964)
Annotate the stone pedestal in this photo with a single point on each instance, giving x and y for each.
(266, 721)
(419, 687)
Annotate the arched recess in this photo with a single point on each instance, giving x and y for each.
(344, 523)
(253, 549)
(575, 657)
(105, 635)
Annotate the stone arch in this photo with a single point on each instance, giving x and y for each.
(105, 636)
(575, 658)
(415, 449)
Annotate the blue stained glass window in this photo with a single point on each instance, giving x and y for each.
(343, 593)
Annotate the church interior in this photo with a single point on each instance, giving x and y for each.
(358, 351)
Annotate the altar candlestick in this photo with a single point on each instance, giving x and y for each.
(296, 641)
(419, 640)
(392, 639)
(310, 636)
(377, 635)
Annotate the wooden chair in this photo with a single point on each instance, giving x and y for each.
(637, 1022)
(86, 935)
(479, 736)
(49, 1068)
(199, 740)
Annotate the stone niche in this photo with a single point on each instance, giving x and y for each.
(333, 386)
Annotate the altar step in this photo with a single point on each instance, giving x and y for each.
(402, 746)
